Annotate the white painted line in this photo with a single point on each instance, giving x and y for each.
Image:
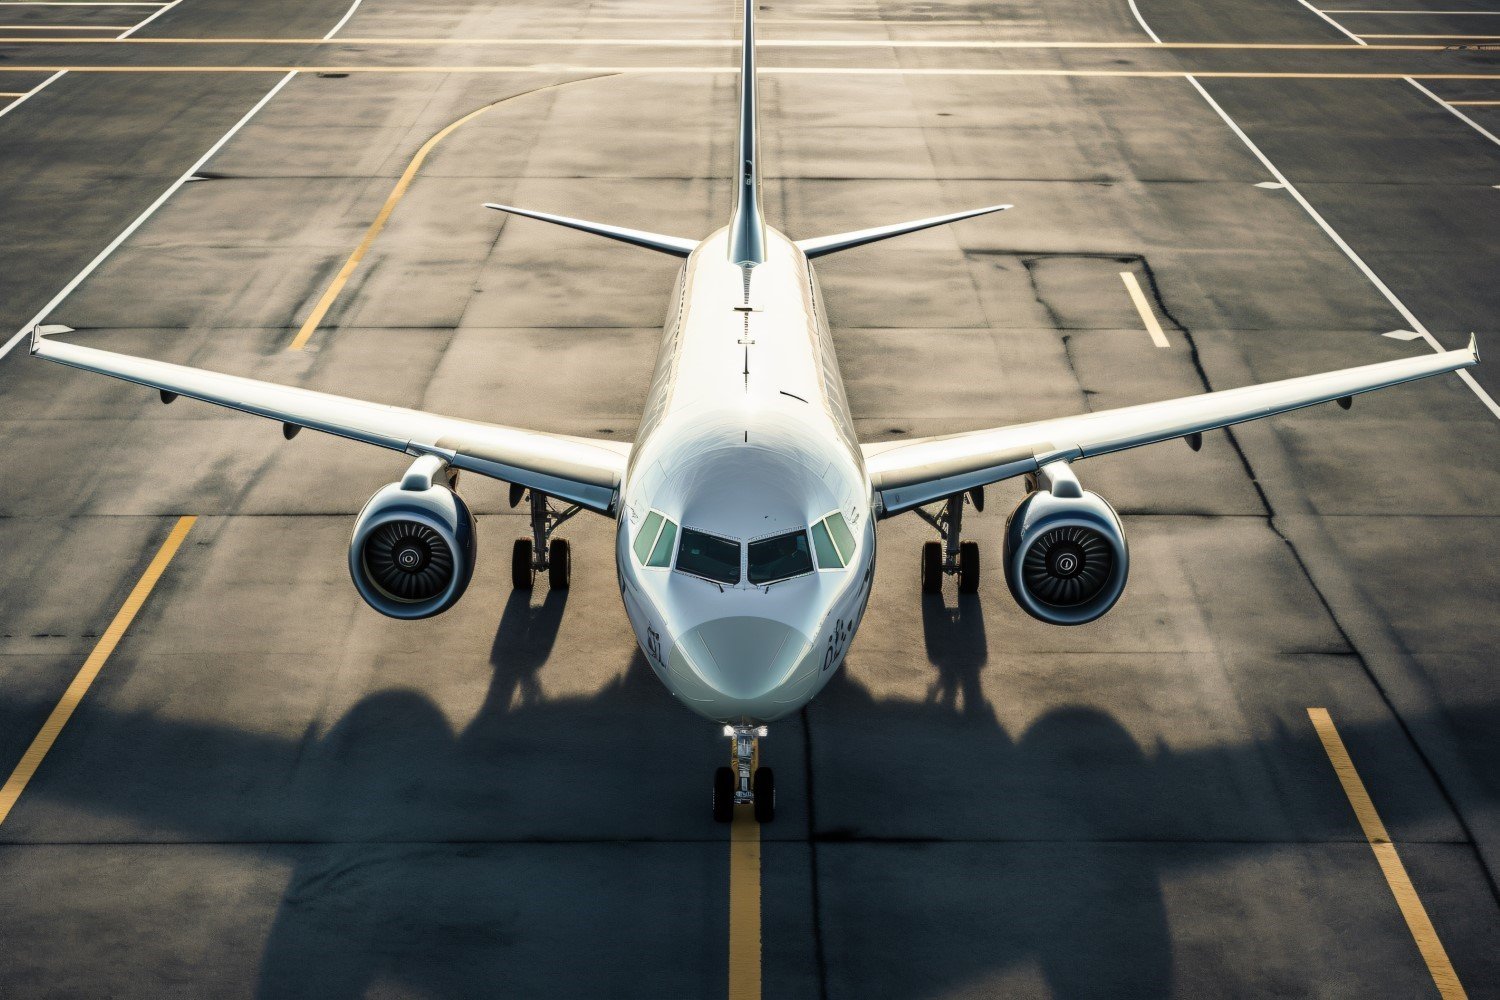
(1144, 308)
(1324, 16)
(1457, 113)
(27, 96)
(1338, 240)
(1142, 22)
(148, 20)
(186, 176)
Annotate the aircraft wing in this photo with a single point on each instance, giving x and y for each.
(578, 470)
(907, 474)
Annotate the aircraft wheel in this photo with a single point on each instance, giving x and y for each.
(723, 795)
(932, 568)
(765, 795)
(559, 564)
(521, 573)
(968, 568)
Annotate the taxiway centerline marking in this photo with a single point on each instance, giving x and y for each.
(558, 68)
(1144, 309)
(63, 27)
(1445, 13)
(1417, 921)
(73, 696)
(726, 43)
(1481, 38)
(1476, 104)
(315, 318)
(744, 902)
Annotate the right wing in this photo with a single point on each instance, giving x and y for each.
(578, 470)
(907, 474)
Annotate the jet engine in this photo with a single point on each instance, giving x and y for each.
(414, 544)
(1065, 555)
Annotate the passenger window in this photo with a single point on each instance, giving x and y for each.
(646, 537)
(780, 558)
(828, 556)
(661, 555)
(708, 556)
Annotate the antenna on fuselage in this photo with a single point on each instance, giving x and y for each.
(747, 227)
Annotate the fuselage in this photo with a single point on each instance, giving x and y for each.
(746, 540)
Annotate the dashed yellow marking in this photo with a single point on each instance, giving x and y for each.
(744, 904)
(73, 696)
(1133, 287)
(1417, 921)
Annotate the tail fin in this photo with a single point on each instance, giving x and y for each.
(747, 227)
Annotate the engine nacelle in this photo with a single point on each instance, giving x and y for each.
(1066, 560)
(414, 544)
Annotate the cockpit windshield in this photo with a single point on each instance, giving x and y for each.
(708, 556)
(780, 558)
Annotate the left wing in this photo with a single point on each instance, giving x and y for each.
(578, 470)
(907, 474)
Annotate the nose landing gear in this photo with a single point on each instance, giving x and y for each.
(541, 553)
(744, 783)
(952, 555)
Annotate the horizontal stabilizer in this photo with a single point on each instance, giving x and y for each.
(651, 241)
(844, 241)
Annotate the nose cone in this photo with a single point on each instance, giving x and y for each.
(744, 657)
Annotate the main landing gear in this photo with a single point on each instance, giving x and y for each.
(951, 555)
(737, 786)
(541, 553)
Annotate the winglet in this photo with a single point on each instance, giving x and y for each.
(1474, 347)
(36, 338)
(845, 241)
(651, 241)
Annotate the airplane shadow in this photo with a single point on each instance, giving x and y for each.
(534, 851)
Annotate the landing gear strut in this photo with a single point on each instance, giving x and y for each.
(952, 555)
(541, 552)
(743, 783)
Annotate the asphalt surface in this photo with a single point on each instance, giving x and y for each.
(271, 790)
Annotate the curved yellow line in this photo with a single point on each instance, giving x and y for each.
(315, 319)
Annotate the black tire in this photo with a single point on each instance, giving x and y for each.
(968, 568)
(559, 564)
(522, 576)
(932, 568)
(765, 795)
(723, 795)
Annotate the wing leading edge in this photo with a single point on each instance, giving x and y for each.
(907, 474)
(578, 470)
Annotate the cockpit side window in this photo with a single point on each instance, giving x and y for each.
(646, 537)
(780, 558)
(653, 543)
(833, 541)
(708, 556)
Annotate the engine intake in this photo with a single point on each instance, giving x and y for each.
(1066, 560)
(414, 544)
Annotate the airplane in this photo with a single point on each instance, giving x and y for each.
(745, 509)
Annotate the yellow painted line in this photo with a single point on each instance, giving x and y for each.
(1144, 308)
(73, 696)
(744, 905)
(10, 93)
(1444, 13)
(1417, 921)
(397, 193)
(557, 68)
(60, 27)
(1476, 104)
(1476, 37)
(769, 43)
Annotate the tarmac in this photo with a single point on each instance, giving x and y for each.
(271, 790)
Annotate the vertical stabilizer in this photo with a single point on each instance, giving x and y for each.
(747, 229)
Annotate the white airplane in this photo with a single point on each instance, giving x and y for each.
(745, 510)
